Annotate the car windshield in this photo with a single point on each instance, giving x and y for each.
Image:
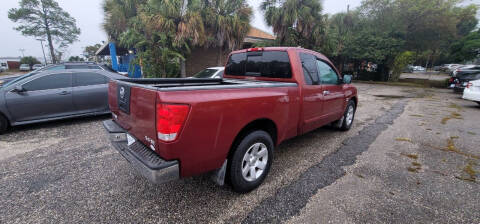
(207, 73)
(18, 79)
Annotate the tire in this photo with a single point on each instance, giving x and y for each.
(478, 103)
(346, 122)
(245, 159)
(3, 124)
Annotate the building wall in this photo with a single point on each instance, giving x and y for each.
(201, 58)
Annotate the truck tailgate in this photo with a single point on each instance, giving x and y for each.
(133, 108)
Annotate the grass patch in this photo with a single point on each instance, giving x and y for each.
(471, 133)
(416, 115)
(411, 156)
(453, 115)
(471, 173)
(452, 148)
(403, 140)
(416, 164)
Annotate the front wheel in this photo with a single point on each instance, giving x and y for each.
(251, 161)
(346, 122)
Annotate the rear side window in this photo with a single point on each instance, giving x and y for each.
(309, 65)
(270, 64)
(88, 79)
(55, 81)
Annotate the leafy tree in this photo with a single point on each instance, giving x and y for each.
(29, 60)
(295, 22)
(467, 48)
(227, 22)
(45, 19)
(75, 59)
(89, 51)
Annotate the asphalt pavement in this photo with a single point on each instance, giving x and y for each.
(410, 157)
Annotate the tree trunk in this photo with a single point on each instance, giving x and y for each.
(49, 36)
(220, 56)
(183, 71)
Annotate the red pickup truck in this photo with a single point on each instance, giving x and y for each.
(172, 128)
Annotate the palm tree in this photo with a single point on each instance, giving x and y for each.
(117, 16)
(295, 22)
(179, 21)
(227, 22)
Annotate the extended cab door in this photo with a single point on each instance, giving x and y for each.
(332, 91)
(312, 107)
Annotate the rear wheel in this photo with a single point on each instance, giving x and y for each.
(3, 124)
(478, 103)
(251, 161)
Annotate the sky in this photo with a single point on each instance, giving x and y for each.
(89, 16)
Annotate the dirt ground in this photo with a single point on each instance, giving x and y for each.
(412, 156)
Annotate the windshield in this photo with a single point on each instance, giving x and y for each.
(18, 79)
(207, 73)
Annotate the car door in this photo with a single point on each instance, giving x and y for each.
(90, 92)
(312, 107)
(333, 94)
(47, 96)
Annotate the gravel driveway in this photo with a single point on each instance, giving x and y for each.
(410, 157)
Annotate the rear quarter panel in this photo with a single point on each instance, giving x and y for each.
(217, 116)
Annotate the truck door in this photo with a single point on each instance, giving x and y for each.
(312, 109)
(333, 94)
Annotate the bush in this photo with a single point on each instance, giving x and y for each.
(401, 61)
(29, 60)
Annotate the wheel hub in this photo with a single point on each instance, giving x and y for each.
(254, 162)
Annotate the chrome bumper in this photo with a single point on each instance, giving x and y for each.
(143, 159)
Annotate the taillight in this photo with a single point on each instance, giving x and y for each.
(451, 80)
(170, 119)
(469, 84)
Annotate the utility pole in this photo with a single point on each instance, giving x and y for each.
(44, 58)
(22, 50)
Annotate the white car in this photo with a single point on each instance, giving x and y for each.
(37, 66)
(472, 91)
(213, 72)
(24, 67)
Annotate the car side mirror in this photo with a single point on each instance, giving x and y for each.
(347, 79)
(19, 89)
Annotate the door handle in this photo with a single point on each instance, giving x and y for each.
(325, 93)
(64, 93)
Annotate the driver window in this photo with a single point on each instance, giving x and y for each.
(55, 81)
(327, 73)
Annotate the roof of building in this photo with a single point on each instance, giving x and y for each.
(257, 33)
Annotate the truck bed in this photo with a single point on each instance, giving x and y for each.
(182, 84)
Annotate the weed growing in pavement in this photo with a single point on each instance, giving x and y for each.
(416, 115)
(404, 140)
(411, 156)
(453, 115)
(452, 148)
(470, 171)
(471, 133)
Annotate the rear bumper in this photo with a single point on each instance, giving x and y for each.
(471, 95)
(144, 160)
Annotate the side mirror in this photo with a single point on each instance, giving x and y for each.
(347, 79)
(19, 89)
